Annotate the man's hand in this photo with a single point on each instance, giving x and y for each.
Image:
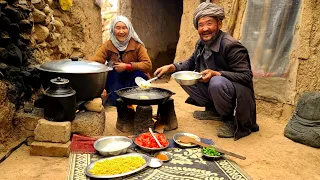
(119, 67)
(164, 69)
(104, 96)
(208, 74)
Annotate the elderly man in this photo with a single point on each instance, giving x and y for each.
(226, 87)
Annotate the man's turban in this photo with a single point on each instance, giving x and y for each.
(207, 9)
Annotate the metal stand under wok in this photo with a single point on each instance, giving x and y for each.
(140, 120)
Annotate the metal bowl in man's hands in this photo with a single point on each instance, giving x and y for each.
(186, 78)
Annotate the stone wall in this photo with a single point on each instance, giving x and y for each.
(188, 34)
(109, 9)
(7, 110)
(73, 33)
(308, 76)
(56, 34)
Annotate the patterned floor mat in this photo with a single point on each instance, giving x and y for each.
(185, 164)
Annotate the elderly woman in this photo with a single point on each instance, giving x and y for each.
(226, 87)
(125, 52)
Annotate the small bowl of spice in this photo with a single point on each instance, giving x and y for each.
(163, 156)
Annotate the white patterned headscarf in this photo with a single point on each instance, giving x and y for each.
(121, 46)
(207, 9)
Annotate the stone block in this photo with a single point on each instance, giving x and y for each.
(125, 117)
(49, 131)
(308, 106)
(94, 105)
(50, 149)
(142, 119)
(89, 123)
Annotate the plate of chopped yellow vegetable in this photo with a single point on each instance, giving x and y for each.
(117, 166)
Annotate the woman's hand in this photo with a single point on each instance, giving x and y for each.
(164, 69)
(119, 67)
(208, 74)
(104, 96)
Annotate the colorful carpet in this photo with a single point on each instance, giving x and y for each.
(185, 164)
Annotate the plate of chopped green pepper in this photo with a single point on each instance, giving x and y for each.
(211, 153)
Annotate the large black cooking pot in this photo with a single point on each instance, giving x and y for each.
(144, 97)
(87, 78)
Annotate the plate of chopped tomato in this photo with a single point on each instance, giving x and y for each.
(147, 143)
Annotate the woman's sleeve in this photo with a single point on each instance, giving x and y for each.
(144, 63)
(101, 54)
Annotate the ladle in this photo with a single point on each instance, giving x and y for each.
(187, 139)
(143, 83)
(155, 138)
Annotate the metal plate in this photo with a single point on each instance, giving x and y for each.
(145, 157)
(185, 145)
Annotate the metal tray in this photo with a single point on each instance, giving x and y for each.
(145, 157)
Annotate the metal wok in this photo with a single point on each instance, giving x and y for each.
(136, 95)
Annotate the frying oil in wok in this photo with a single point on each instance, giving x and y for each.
(150, 95)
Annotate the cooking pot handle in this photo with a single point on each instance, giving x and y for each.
(74, 58)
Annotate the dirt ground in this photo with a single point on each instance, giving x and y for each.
(269, 154)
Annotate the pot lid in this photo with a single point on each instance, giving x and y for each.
(74, 66)
(59, 88)
(59, 80)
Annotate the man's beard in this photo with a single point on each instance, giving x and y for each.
(212, 40)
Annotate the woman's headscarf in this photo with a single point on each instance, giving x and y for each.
(207, 9)
(121, 46)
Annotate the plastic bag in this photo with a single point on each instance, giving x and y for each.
(268, 34)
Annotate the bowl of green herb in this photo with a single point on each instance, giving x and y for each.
(211, 153)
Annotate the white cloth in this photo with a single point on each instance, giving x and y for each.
(121, 46)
